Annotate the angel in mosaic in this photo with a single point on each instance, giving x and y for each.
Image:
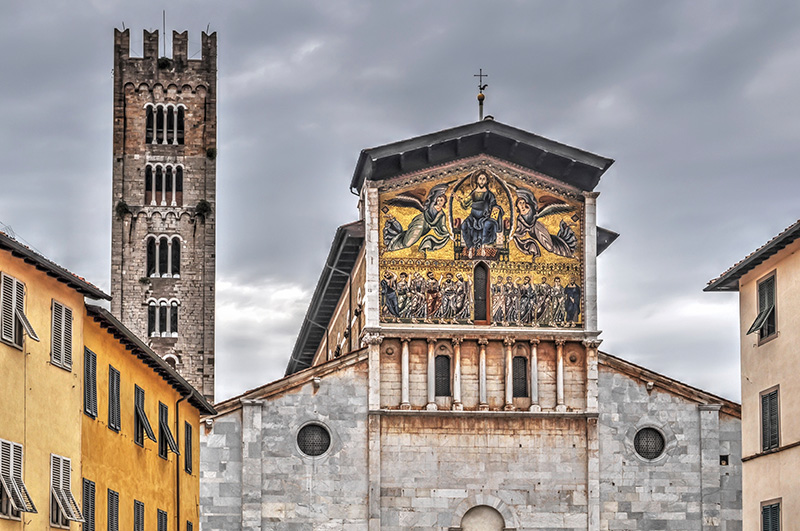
(429, 227)
(530, 233)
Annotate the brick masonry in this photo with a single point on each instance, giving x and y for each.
(176, 80)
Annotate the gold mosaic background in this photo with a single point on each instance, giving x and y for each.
(443, 224)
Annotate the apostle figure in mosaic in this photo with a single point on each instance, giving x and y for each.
(541, 313)
(530, 234)
(447, 308)
(559, 299)
(526, 302)
(463, 308)
(498, 302)
(573, 302)
(389, 295)
(403, 295)
(433, 296)
(485, 219)
(511, 294)
(418, 307)
(429, 227)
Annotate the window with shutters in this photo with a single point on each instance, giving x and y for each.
(162, 520)
(142, 427)
(14, 497)
(88, 504)
(89, 383)
(189, 526)
(187, 447)
(63, 507)
(113, 399)
(519, 372)
(61, 347)
(765, 323)
(113, 510)
(770, 420)
(138, 515)
(442, 373)
(481, 294)
(771, 517)
(166, 442)
(13, 321)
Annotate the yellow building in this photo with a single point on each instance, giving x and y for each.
(768, 282)
(68, 433)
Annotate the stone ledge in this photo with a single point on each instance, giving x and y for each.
(483, 414)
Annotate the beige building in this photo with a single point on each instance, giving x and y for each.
(769, 304)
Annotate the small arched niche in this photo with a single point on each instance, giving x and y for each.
(482, 518)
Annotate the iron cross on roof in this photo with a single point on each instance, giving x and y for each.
(480, 75)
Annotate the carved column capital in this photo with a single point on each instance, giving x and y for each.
(509, 341)
(457, 341)
(560, 342)
(592, 343)
(405, 339)
(483, 341)
(372, 339)
(533, 342)
(432, 340)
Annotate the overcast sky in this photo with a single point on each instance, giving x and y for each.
(696, 101)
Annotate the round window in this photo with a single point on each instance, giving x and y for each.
(313, 440)
(649, 443)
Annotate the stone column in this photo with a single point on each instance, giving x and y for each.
(560, 406)
(431, 375)
(509, 380)
(710, 501)
(373, 342)
(405, 403)
(483, 404)
(457, 405)
(534, 370)
(591, 375)
(251, 465)
(590, 258)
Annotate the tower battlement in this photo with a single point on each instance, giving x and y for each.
(178, 62)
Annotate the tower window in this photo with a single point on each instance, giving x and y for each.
(442, 370)
(163, 185)
(164, 124)
(519, 369)
(162, 318)
(164, 257)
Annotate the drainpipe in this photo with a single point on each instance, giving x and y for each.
(178, 461)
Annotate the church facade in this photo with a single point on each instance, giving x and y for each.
(448, 373)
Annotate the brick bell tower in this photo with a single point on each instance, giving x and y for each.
(163, 235)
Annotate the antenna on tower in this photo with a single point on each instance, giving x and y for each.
(164, 30)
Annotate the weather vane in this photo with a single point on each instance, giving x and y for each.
(481, 86)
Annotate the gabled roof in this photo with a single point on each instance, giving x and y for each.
(729, 280)
(669, 385)
(52, 269)
(150, 358)
(571, 165)
(335, 275)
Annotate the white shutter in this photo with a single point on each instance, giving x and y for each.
(7, 473)
(7, 308)
(26, 503)
(66, 488)
(67, 337)
(57, 353)
(56, 468)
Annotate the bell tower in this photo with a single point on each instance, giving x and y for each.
(163, 230)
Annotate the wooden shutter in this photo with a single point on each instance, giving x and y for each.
(24, 503)
(773, 420)
(141, 416)
(66, 488)
(187, 450)
(67, 337)
(113, 399)
(113, 510)
(7, 473)
(165, 434)
(162, 520)
(90, 383)
(61, 354)
(138, 516)
(88, 505)
(56, 483)
(7, 309)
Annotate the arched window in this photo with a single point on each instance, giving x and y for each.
(149, 127)
(178, 198)
(151, 257)
(172, 361)
(159, 195)
(163, 256)
(170, 125)
(148, 184)
(169, 198)
(162, 318)
(519, 369)
(176, 257)
(159, 125)
(442, 369)
(180, 124)
(480, 279)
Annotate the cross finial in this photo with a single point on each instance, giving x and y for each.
(481, 86)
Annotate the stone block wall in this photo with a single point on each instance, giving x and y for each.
(686, 488)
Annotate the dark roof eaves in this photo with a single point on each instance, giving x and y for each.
(729, 280)
(362, 173)
(198, 399)
(62, 275)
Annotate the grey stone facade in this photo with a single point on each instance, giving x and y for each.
(177, 81)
